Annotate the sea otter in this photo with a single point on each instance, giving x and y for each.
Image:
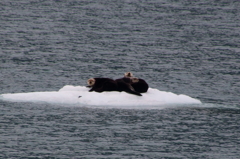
(138, 84)
(102, 84)
(107, 84)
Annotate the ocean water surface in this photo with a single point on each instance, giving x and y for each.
(182, 47)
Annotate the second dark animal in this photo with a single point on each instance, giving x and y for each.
(139, 85)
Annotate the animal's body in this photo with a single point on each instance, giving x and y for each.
(107, 84)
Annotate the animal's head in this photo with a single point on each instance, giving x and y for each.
(128, 74)
(134, 79)
(91, 81)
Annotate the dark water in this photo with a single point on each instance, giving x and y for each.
(184, 47)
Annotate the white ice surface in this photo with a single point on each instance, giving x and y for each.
(69, 95)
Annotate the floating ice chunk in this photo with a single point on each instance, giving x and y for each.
(79, 95)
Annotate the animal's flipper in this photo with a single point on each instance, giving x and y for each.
(133, 92)
(130, 89)
(91, 90)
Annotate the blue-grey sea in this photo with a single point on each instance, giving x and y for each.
(189, 47)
